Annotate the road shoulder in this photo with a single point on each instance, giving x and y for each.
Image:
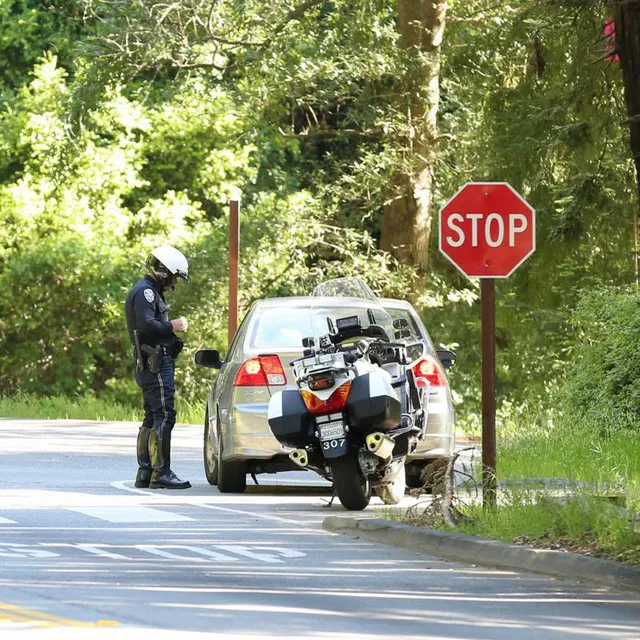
(463, 548)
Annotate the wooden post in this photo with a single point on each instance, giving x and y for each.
(488, 295)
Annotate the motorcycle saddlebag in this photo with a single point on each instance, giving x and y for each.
(373, 404)
(289, 419)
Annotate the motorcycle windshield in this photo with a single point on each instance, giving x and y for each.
(350, 287)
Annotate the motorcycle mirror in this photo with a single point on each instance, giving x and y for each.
(308, 342)
(400, 323)
(415, 350)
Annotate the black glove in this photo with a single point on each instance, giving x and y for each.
(177, 348)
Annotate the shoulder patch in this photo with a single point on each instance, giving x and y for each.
(149, 295)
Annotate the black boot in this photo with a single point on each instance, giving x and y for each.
(168, 480)
(143, 477)
(163, 477)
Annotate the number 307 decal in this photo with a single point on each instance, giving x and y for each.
(333, 444)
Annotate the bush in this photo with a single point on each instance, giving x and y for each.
(603, 384)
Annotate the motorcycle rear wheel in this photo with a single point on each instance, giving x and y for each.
(353, 489)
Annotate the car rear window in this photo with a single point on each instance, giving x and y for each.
(286, 326)
(276, 327)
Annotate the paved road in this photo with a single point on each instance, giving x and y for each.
(82, 551)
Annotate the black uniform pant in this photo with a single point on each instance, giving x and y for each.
(154, 436)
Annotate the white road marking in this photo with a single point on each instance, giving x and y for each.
(7, 521)
(162, 551)
(212, 554)
(120, 484)
(260, 553)
(19, 550)
(95, 549)
(130, 514)
(183, 552)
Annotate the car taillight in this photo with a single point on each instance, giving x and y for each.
(335, 402)
(428, 369)
(260, 372)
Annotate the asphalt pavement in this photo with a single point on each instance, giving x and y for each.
(84, 554)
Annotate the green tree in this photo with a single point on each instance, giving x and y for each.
(31, 28)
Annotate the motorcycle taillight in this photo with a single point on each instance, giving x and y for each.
(335, 402)
(262, 371)
(321, 382)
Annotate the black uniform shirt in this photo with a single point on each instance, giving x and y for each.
(146, 311)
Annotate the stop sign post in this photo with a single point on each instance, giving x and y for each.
(487, 230)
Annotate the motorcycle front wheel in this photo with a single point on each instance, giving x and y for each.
(353, 489)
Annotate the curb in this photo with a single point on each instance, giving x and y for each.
(463, 548)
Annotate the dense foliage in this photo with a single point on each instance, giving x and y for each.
(605, 384)
(128, 124)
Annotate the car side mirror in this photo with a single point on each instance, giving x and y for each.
(208, 358)
(447, 357)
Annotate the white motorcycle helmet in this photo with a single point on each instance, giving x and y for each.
(166, 262)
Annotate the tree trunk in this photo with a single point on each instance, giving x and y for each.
(627, 19)
(406, 222)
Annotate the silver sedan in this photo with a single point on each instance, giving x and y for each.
(237, 437)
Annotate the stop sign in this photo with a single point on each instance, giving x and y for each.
(487, 229)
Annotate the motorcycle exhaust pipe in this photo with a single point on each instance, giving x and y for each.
(299, 456)
(380, 445)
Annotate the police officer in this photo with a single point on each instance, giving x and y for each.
(155, 347)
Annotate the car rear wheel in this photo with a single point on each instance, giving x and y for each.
(232, 475)
(393, 492)
(353, 489)
(210, 453)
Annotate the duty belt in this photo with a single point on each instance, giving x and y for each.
(148, 357)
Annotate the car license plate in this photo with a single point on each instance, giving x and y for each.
(331, 431)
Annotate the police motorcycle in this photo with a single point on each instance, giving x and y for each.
(357, 411)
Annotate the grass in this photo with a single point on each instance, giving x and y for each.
(574, 451)
(533, 458)
(86, 408)
(582, 523)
